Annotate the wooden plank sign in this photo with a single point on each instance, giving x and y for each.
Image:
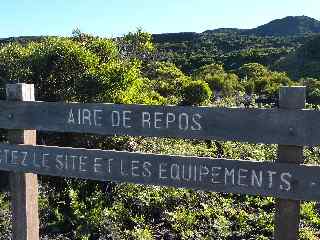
(271, 126)
(287, 179)
(220, 175)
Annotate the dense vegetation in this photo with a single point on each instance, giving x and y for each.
(230, 49)
(234, 47)
(215, 68)
(302, 63)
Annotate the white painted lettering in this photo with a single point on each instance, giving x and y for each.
(59, 163)
(270, 177)
(146, 123)
(109, 164)
(6, 153)
(215, 172)
(45, 161)
(71, 119)
(183, 121)
(115, 119)
(86, 117)
(157, 119)
(82, 163)
(241, 175)
(146, 171)
(195, 120)
(122, 171)
(97, 117)
(175, 171)
(162, 170)
(73, 159)
(183, 172)
(204, 171)
(255, 179)
(195, 173)
(285, 179)
(227, 174)
(134, 167)
(97, 165)
(24, 159)
(170, 119)
(79, 116)
(126, 118)
(14, 157)
(34, 160)
(66, 162)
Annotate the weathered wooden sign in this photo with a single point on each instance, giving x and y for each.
(290, 127)
(221, 175)
(287, 126)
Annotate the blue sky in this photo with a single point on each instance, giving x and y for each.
(116, 17)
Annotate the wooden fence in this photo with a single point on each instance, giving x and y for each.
(290, 126)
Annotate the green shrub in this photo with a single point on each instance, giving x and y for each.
(218, 79)
(197, 93)
(166, 79)
(312, 89)
(260, 80)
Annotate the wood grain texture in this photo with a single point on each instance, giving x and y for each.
(24, 186)
(283, 180)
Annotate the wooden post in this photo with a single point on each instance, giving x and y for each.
(24, 186)
(287, 216)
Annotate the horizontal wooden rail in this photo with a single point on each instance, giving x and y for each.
(288, 181)
(270, 126)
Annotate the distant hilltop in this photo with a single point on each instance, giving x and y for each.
(284, 27)
(22, 39)
(287, 26)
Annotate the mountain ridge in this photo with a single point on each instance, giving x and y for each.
(287, 26)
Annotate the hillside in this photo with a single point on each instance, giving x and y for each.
(234, 47)
(287, 26)
(304, 62)
(22, 39)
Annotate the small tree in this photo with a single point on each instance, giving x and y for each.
(197, 93)
(136, 45)
(312, 89)
(218, 79)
